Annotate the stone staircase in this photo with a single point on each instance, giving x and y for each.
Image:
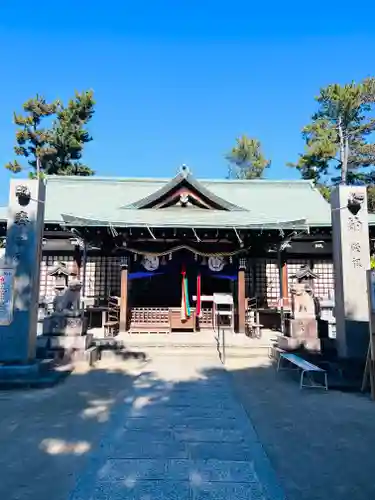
(204, 344)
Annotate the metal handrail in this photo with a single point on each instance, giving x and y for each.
(220, 348)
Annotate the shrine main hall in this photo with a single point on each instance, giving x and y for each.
(161, 245)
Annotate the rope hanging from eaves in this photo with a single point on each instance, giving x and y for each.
(186, 247)
(87, 221)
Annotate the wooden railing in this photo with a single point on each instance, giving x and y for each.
(206, 320)
(158, 320)
(149, 320)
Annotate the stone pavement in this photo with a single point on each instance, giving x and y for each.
(321, 444)
(180, 434)
(130, 428)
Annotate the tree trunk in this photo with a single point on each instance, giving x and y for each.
(343, 157)
(346, 152)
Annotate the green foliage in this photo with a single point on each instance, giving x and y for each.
(325, 191)
(246, 159)
(56, 149)
(371, 199)
(32, 139)
(337, 149)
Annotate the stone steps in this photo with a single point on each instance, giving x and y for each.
(142, 351)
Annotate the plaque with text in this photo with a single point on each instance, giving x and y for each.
(6, 295)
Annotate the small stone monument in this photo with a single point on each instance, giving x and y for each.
(301, 330)
(19, 302)
(351, 257)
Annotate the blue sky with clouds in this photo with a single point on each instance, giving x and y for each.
(177, 81)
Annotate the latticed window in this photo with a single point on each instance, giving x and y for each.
(47, 282)
(267, 281)
(294, 265)
(324, 286)
(113, 275)
(103, 276)
(249, 291)
(95, 283)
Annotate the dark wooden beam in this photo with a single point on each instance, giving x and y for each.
(241, 296)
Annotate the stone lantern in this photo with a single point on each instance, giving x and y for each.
(60, 274)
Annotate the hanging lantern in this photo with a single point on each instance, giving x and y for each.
(170, 256)
(204, 261)
(163, 261)
(135, 257)
(230, 260)
(195, 257)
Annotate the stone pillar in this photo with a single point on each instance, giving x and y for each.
(23, 255)
(241, 296)
(124, 295)
(351, 257)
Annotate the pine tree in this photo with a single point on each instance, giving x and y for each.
(56, 149)
(337, 137)
(32, 139)
(69, 135)
(246, 159)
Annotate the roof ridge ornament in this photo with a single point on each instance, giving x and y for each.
(184, 170)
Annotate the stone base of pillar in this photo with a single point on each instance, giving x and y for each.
(36, 374)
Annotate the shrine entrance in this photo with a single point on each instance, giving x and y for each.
(166, 290)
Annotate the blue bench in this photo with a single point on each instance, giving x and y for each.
(307, 369)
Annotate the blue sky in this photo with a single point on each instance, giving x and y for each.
(177, 81)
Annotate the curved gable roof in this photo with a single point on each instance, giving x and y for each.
(184, 178)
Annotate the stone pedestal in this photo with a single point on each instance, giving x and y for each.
(293, 344)
(65, 332)
(301, 328)
(70, 342)
(65, 323)
(301, 334)
(351, 255)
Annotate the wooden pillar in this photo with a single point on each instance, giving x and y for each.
(284, 289)
(124, 295)
(241, 296)
(77, 259)
(284, 284)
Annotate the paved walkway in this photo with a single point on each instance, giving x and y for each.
(179, 435)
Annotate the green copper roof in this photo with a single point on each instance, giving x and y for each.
(258, 202)
(251, 203)
(248, 203)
